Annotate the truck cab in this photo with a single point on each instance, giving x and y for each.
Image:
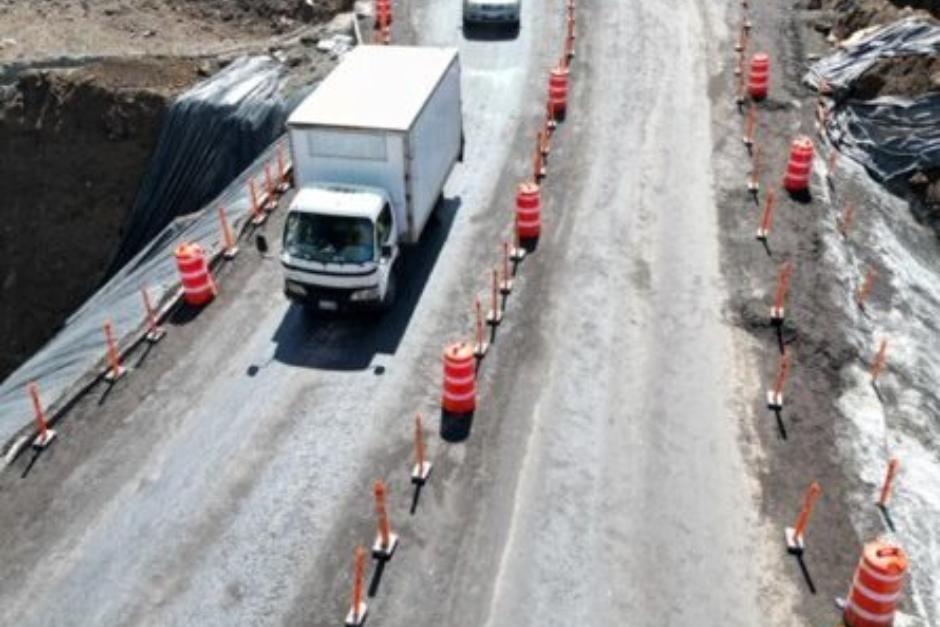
(340, 248)
(372, 148)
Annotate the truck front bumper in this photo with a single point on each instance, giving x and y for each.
(329, 299)
(491, 15)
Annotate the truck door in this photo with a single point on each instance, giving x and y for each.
(388, 250)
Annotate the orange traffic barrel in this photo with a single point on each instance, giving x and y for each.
(198, 286)
(383, 13)
(800, 166)
(460, 379)
(558, 91)
(758, 81)
(528, 211)
(876, 587)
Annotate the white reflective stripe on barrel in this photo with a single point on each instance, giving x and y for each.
(191, 276)
(464, 381)
(865, 614)
(197, 290)
(879, 576)
(460, 397)
(878, 597)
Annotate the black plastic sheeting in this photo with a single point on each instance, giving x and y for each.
(890, 136)
(69, 360)
(210, 134)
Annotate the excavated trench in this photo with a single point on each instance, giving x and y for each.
(84, 94)
(74, 144)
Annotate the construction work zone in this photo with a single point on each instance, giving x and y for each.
(558, 325)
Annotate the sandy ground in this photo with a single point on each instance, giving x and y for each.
(33, 30)
(610, 470)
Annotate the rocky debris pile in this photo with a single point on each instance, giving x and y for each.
(280, 15)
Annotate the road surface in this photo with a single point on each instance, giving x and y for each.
(228, 478)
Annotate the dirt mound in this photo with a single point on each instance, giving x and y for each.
(75, 144)
(40, 29)
(899, 76)
(276, 13)
(849, 16)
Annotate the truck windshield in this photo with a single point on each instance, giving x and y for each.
(329, 239)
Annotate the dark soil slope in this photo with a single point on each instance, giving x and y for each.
(73, 146)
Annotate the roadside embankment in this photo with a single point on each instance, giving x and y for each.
(75, 143)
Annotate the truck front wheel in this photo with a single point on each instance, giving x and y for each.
(391, 290)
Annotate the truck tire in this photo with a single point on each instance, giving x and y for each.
(391, 290)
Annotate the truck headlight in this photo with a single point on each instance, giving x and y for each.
(371, 293)
(296, 288)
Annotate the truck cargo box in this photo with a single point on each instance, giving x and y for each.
(387, 117)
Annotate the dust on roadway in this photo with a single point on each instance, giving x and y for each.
(603, 478)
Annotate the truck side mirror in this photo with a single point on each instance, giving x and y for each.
(386, 251)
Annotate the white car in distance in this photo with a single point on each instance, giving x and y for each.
(505, 12)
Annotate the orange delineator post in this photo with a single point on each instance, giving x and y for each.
(538, 167)
(115, 369)
(783, 286)
(481, 346)
(545, 139)
(45, 434)
(357, 613)
(385, 541)
(865, 290)
(880, 360)
(570, 36)
(154, 332)
(282, 183)
(270, 190)
(794, 535)
(256, 210)
(892, 471)
(749, 124)
(767, 219)
(775, 393)
(845, 221)
(832, 162)
(753, 184)
(422, 467)
(227, 238)
(505, 286)
(517, 253)
(741, 44)
(495, 314)
(419, 442)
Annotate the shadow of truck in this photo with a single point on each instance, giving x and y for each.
(350, 341)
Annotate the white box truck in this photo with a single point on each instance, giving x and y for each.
(372, 147)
